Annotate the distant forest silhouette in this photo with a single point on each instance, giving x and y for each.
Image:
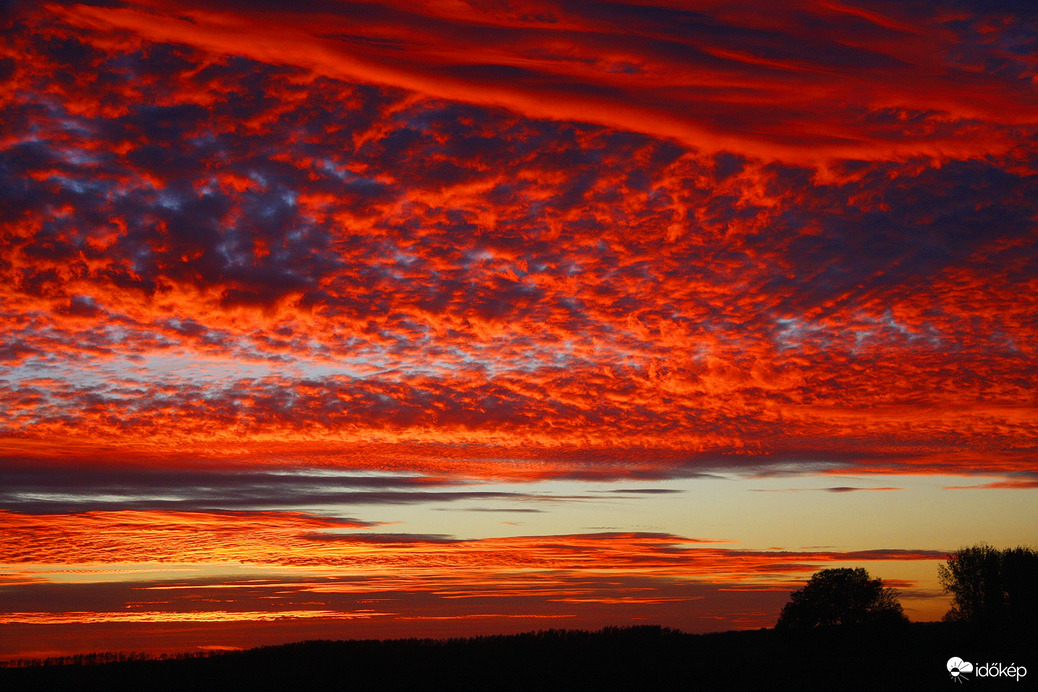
(615, 658)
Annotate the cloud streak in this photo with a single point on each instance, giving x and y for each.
(718, 78)
(391, 579)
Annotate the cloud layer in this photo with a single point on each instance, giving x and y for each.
(206, 248)
(330, 571)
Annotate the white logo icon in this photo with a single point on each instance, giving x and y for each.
(958, 668)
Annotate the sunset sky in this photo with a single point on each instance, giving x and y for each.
(439, 318)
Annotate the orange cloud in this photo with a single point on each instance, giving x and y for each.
(294, 540)
(305, 568)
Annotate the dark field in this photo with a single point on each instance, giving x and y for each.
(636, 658)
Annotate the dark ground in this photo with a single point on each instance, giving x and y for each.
(911, 657)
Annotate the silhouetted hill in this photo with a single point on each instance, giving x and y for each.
(637, 658)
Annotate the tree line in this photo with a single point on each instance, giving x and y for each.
(988, 586)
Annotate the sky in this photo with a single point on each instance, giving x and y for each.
(443, 318)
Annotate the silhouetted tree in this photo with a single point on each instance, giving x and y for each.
(992, 586)
(841, 596)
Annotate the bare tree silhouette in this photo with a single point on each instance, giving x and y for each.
(992, 586)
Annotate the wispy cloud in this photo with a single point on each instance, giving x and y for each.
(1015, 484)
(834, 489)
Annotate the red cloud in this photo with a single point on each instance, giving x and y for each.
(807, 80)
